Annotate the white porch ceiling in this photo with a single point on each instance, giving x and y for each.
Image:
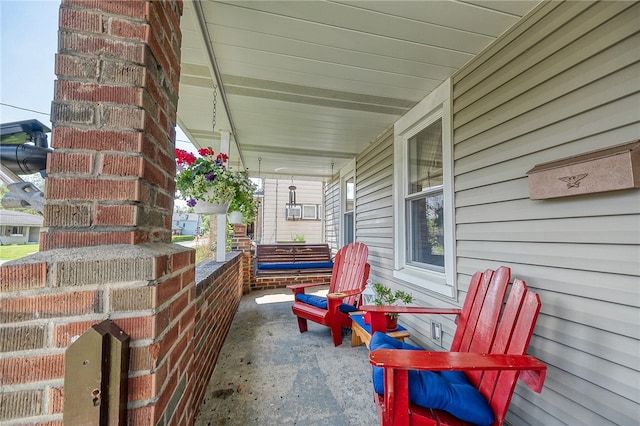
(311, 83)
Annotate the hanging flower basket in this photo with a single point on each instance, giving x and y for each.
(210, 187)
(204, 206)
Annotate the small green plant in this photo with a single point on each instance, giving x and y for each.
(385, 296)
(299, 238)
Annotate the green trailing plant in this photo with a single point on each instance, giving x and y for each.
(244, 200)
(384, 296)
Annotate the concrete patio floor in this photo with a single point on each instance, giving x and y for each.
(269, 373)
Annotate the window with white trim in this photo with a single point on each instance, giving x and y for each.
(310, 211)
(348, 213)
(424, 202)
(423, 195)
(348, 202)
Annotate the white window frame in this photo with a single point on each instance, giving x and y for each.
(346, 173)
(313, 208)
(435, 106)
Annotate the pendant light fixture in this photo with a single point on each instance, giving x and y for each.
(292, 193)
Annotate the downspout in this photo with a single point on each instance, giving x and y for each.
(202, 23)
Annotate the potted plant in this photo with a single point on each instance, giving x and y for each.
(384, 296)
(206, 182)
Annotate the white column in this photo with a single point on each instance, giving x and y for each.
(222, 218)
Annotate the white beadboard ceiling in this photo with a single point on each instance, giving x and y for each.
(309, 83)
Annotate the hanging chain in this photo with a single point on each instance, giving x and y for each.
(213, 120)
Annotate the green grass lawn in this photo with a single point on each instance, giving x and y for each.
(16, 251)
(180, 238)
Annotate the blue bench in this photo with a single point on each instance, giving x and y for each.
(292, 259)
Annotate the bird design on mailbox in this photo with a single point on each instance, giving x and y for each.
(573, 181)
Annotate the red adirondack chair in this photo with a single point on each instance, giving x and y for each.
(478, 316)
(348, 280)
(493, 371)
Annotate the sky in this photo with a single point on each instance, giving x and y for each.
(28, 44)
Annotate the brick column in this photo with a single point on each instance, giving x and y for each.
(111, 176)
(239, 239)
(241, 242)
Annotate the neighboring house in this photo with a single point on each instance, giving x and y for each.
(19, 227)
(186, 224)
(282, 222)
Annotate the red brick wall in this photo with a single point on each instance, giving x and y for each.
(70, 290)
(247, 271)
(218, 300)
(173, 349)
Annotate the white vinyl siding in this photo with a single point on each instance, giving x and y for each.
(274, 203)
(374, 205)
(562, 82)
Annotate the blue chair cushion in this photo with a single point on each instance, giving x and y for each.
(446, 390)
(321, 302)
(295, 265)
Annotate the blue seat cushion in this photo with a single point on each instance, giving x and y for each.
(446, 390)
(321, 302)
(295, 265)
